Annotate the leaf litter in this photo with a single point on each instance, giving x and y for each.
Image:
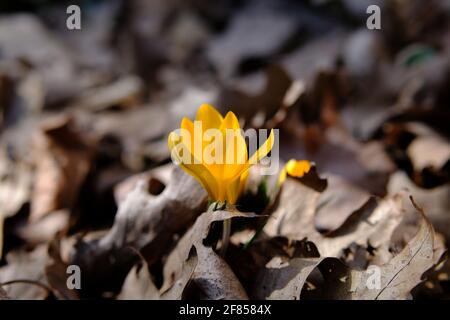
(86, 177)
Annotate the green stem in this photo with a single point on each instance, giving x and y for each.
(255, 236)
(225, 236)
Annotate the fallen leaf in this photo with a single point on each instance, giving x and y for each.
(56, 273)
(63, 159)
(194, 237)
(319, 54)
(337, 202)
(397, 277)
(230, 50)
(25, 266)
(268, 105)
(285, 280)
(338, 153)
(177, 291)
(373, 223)
(15, 188)
(435, 202)
(429, 151)
(140, 132)
(138, 285)
(214, 278)
(157, 178)
(145, 222)
(279, 267)
(122, 93)
(25, 37)
(44, 229)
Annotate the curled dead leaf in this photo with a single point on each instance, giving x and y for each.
(373, 223)
(145, 222)
(212, 275)
(138, 285)
(392, 280)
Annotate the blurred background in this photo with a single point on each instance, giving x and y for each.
(82, 110)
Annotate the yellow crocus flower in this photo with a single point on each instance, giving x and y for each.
(294, 168)
(223, 181)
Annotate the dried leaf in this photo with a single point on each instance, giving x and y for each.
(145, 222)
(429, 151)
(212, 277)
(337, 202)
(139, 285)
(29, 266)
(15, 188)
(187, 271)
(372, 223)
(15, 184)
(63, 162)
(230, 49)
(157, 179)
(285, 274)
(121, 93)
(397, 277)
(140, 132)
(56, 274)
(55, 78)
(44, 229)
(338, 153)
(267, 106)
(435, 202)
(284, 280)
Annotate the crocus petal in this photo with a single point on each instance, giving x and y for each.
(230, 122)
(236, 187)
(198, 171)
(203, 176)
(294, 168)
(243, 181)
(233, 191)
(223, 181)
(210, 119)
(237, 148)
(209, 116)
(258, 155)
(263, 150)
(188, 126)
(298, 168)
